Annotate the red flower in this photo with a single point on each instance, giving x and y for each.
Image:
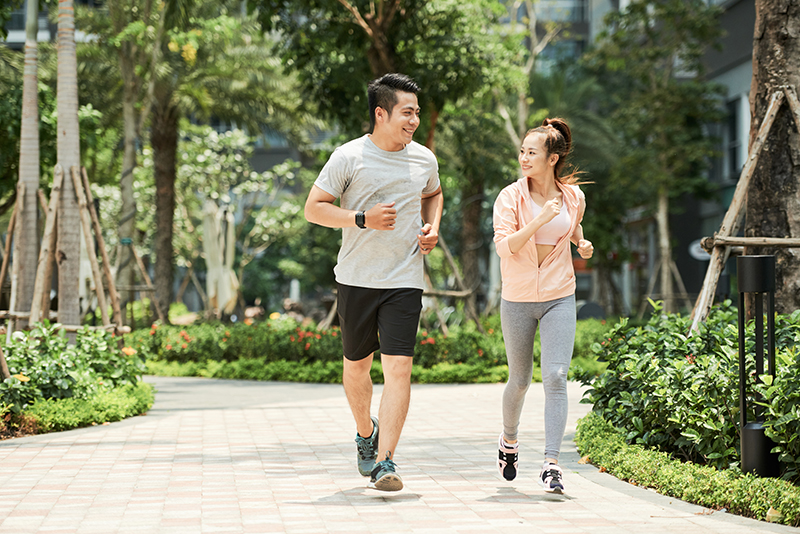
(308, 346)
(169, 347)
(291, 338)
(480, 352)
(333, 333)
(184, 345)
(423, 342)
(318, 336)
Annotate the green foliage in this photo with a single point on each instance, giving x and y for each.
(444, 45)
(650, 58)
(729, 489)
(44, 366)
(53, 415)
(281, 349)
(781, 396)
(671, 391)
(680, 394)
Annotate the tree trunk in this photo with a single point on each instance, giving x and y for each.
(773, 207)
(69, 237)
(665, 251)
(164, 139)
(471, 217)
(26, 234)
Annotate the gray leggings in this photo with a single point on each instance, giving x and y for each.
(520, 320)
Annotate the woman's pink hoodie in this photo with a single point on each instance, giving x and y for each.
(524, 280)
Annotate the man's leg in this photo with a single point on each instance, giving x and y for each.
(358, 388)
(394, 402)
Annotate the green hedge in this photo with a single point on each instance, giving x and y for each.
(325, 372)
(730, 489)
(265, 350)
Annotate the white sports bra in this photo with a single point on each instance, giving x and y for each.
(550, 233)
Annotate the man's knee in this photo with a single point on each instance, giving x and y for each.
(396, 368)
(357, 367)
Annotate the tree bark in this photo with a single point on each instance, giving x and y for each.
(26, 233)
(665, 251)
(68, 149)
(164, 139)
(471, 210)
(773, 206)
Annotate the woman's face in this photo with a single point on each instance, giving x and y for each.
(533, 157)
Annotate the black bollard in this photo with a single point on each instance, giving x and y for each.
(756, 275)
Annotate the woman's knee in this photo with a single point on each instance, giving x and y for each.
(555, 379)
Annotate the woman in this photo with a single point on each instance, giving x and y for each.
(535, 219)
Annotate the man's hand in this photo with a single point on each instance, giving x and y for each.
(585, 249)
(381, 217)
(428, 238)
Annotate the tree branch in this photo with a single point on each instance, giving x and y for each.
(357, 16)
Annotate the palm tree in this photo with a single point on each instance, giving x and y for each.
(69, 238)
(225, 69)
(26, 238)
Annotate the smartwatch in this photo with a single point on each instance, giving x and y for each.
(361, 220)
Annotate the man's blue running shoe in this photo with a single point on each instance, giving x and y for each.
(384, 477)
(367, 450)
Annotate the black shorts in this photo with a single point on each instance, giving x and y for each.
(372, 319)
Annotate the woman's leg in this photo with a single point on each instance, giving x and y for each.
(519, 328)
(558, 338)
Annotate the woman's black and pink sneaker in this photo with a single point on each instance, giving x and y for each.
(551, 478)
(508, 459)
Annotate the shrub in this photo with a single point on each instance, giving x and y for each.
(44, 365)
(679, 393)
(104, 406)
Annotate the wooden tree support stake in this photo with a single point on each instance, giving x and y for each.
(86, 226)
(4, 372)
(47, 246)
(7, 247)
(730, 222)
(112, 290)
(148, 282)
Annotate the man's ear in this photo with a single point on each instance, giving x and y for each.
(380, 114)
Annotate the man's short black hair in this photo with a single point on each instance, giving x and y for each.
(382, 92)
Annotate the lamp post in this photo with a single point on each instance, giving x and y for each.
(756, 275)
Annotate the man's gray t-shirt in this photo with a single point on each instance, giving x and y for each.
(362, 175)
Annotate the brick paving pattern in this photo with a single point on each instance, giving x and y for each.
(250, 457)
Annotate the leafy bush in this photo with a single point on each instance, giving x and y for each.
(742, 494)
(679, 393)
(782, 395)
(104, 406)
(44, 365)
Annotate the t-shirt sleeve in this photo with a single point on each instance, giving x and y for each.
(433, 178)
(334, 176)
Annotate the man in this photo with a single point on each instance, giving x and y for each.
(391, 206)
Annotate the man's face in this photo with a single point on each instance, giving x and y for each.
(400, 125)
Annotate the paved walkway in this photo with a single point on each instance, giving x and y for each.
(235, 456)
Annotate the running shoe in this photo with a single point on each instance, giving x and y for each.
(367, 450)
(384, 477)
(508, 459)
(551, 478)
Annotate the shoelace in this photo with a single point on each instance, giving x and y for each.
(554, 474)
(364, 448)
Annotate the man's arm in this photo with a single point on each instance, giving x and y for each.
(431, 212)
(321, 210)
